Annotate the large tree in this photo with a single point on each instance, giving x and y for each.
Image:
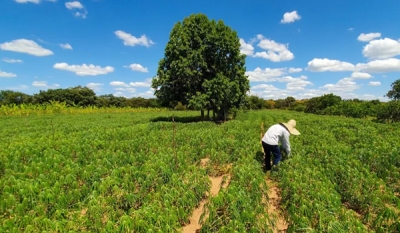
(202, 67)
(394, 93)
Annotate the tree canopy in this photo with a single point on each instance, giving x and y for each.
(202, 67)
(394, 93)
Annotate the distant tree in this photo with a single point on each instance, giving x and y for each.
(290, 101)
(318, 104)
(8, 97)
(202, 67)
(74, 96)
(394, 93)
(256, 102)
(269, 104)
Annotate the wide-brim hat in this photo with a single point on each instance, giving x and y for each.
(291, 126)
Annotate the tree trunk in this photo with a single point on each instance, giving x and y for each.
(202, 114)
(208, 114)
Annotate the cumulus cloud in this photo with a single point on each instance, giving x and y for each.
(290, 17)
(33, 1)
(138, 67)
(380, 66)
(374, 83)
(360, 75)
(295, 84)
(8, 60)
(369, 36)
(118, 84)
(322, 65)
(78, 8)
(295, 70)
(276, 52)
(245, 48)
(44, 84)
(343, 85)
(7, 75)
(140, 84)
(66, 46)
(382, 49)
(130, 40)
(265, 75)
(84, 70)
(95, 86)
(25, 46)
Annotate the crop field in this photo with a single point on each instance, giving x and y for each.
(138, 171)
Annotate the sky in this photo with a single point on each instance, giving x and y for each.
(299, 48)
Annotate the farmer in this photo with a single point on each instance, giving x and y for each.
(277, 133)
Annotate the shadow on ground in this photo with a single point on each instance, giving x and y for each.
(184, 119)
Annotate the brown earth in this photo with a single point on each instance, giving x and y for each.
(216, 182)
(273, 207)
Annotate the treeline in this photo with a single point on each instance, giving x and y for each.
(74, 97)
(330, 104)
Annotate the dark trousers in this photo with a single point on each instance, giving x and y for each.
(268, 149)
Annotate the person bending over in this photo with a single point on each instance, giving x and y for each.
(270, 142)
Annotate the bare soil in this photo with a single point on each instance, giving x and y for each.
(216, 182)
(274, 207)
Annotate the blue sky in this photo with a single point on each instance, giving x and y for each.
(301, 48)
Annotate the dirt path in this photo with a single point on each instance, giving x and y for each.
(216, 182)
(273, 207)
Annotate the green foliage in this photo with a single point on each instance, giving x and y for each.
(8, 97)
(118, 171)
(318, 104)
(389, 112)
(394, 93)
(200, 55)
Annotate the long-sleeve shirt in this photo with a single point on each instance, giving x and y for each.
(275, 134)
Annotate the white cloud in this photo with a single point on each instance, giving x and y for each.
(66, 46)
(290, 17)
(374, 83)
(343, 85)
(245, 48)
(380, 66)
(130, 40)
(147, 94)
(80, 10)
(350, 29)
(26, 1)
(369, 36)
(118, 84)
(7, 75)
(84, 70)
(44, 84)
(33, 1)
(140, 84)
(266, 75)
(295, 84)
(138, 67)
(95, 86)
(276, 52)
(295, 70)
(360, 75)
(382, 49)
(74, 5)
(25, 46)
(12, 60)
(322, 65)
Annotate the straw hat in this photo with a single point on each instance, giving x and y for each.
(291, 126)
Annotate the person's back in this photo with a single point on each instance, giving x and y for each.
(275, 134)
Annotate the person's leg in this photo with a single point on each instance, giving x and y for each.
(267, 158)
(277, 154)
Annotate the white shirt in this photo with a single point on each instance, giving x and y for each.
(275, 134)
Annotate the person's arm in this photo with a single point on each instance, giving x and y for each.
(286, 143)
